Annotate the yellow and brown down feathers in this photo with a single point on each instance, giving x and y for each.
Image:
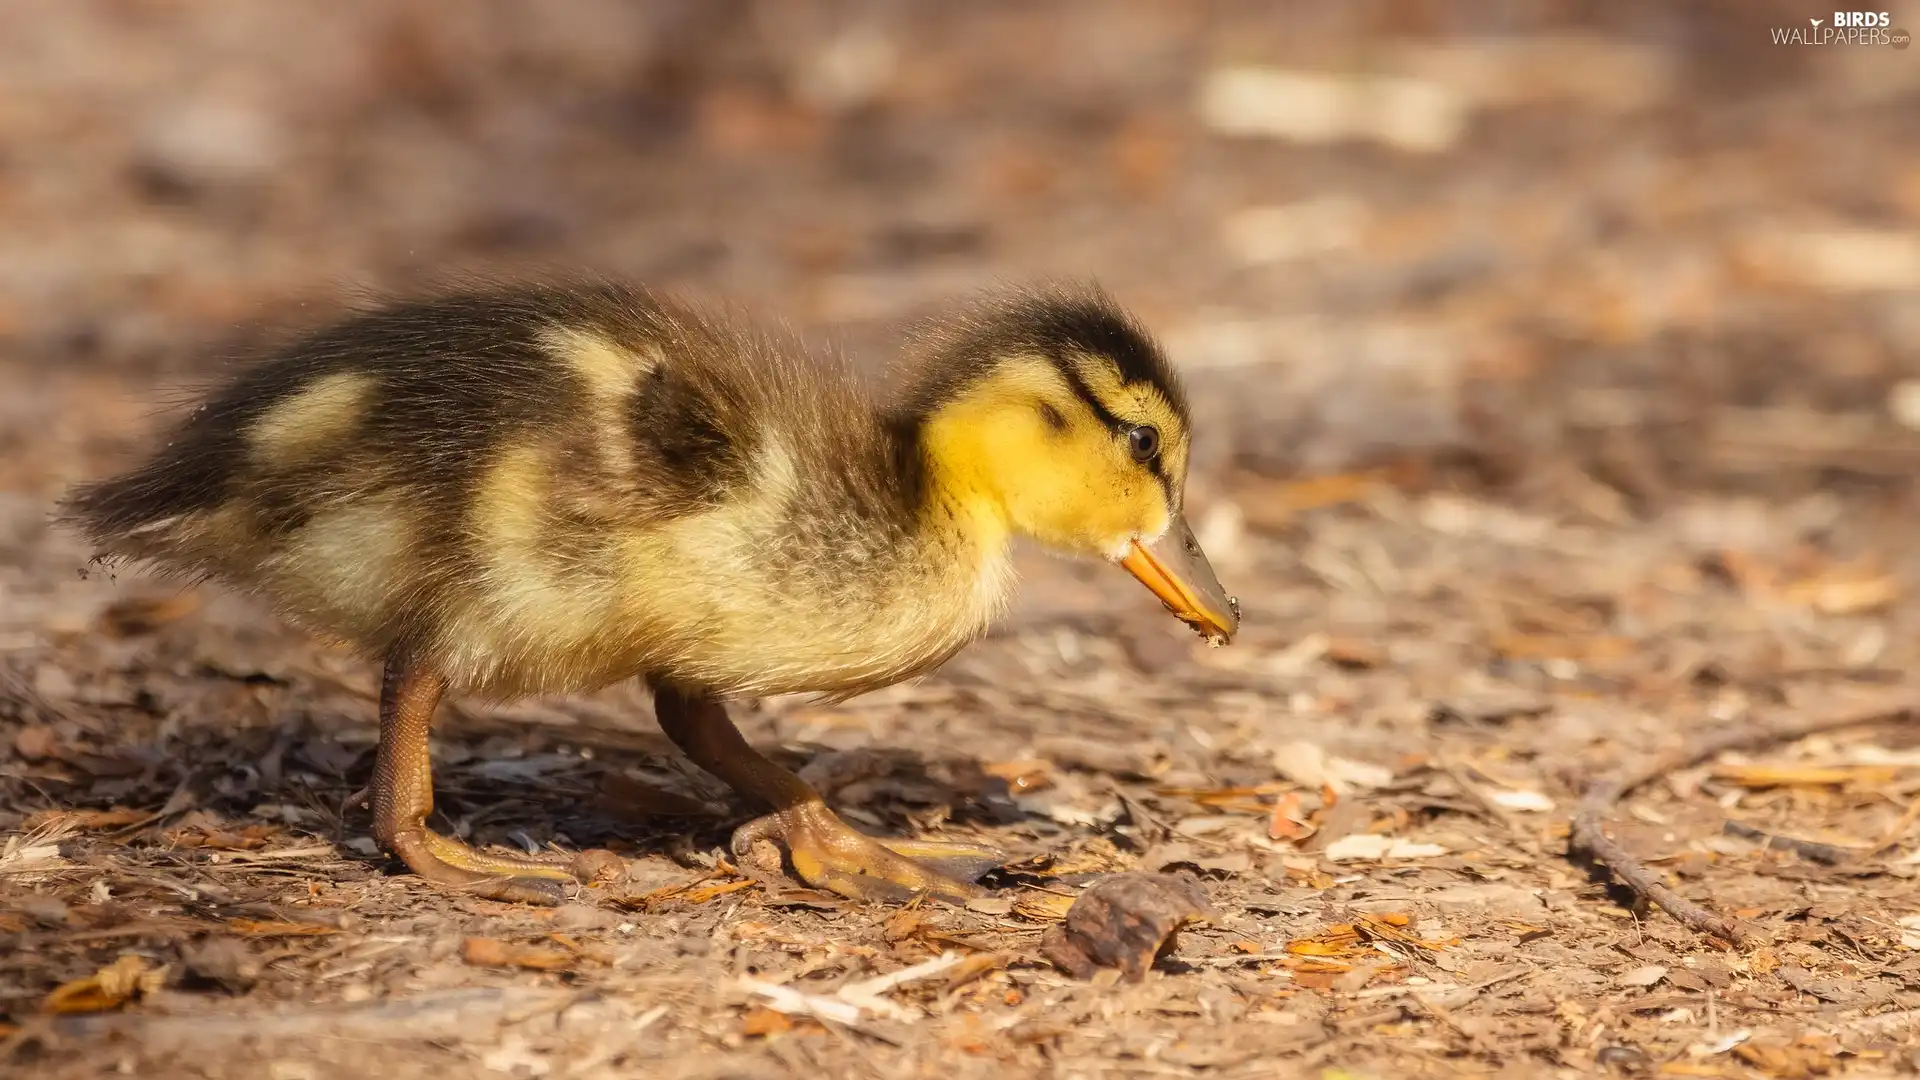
(549, 488)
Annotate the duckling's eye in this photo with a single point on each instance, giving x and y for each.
(1144, 442)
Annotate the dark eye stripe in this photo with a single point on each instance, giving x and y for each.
(1085, 393)
(1158, 463)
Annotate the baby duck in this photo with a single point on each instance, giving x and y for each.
(544, 489)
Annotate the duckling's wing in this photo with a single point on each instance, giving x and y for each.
(416, 390)
(363, 477)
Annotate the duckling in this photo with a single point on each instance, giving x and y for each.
(540, 489)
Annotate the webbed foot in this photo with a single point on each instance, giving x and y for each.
(402, 796)
(827, 853)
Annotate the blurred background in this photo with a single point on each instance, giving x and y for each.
(1556, 366)
(1513, 236)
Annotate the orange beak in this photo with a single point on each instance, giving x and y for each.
(1177, 572)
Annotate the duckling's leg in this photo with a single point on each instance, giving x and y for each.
(402, 794)
(825, 851)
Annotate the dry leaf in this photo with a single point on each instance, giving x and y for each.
(760, 1023)
(1288, 821)
(1790, 1061)
(975, 966)
(1245, 800)
(690, 890)
(1276, 504)
(1845, 591)
(1563, 647)
(710, 892)
(491, 952)
(1764, 776)
(248, 838)
(1643, 976)
(1311, 947)
(1023, 775)
(275, 928)
(1355, 653)
(1316, 974)
(1334, 940)
(109, 988)
(1392, 926)
(1309, 765)
(1531, 801)
(36, 742)
(86, 819)
(1364, 846)
(1043, 906)
(135, 615)
(906, 923)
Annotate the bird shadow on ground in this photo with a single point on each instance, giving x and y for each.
(304, 770)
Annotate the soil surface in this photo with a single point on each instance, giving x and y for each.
(1556, 369)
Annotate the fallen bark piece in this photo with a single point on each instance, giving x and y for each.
(1126, 921)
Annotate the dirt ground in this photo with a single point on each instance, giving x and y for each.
(1555, 373)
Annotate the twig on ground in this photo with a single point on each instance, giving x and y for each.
(859, 992)
(1812, 850)
(1589, 835)
(1899, 828)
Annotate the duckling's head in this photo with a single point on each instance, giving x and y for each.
(1053, 414)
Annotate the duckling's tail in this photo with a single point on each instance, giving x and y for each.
(143, 514)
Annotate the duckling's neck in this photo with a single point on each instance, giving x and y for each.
(957, 496)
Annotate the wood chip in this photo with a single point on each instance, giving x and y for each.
(491, 952)
(1023, 775)
(136, 615)
(87, 819)
(1766, 776)
(1643, 976)
(764, 1023)
(275, 928)
(1362, 847)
